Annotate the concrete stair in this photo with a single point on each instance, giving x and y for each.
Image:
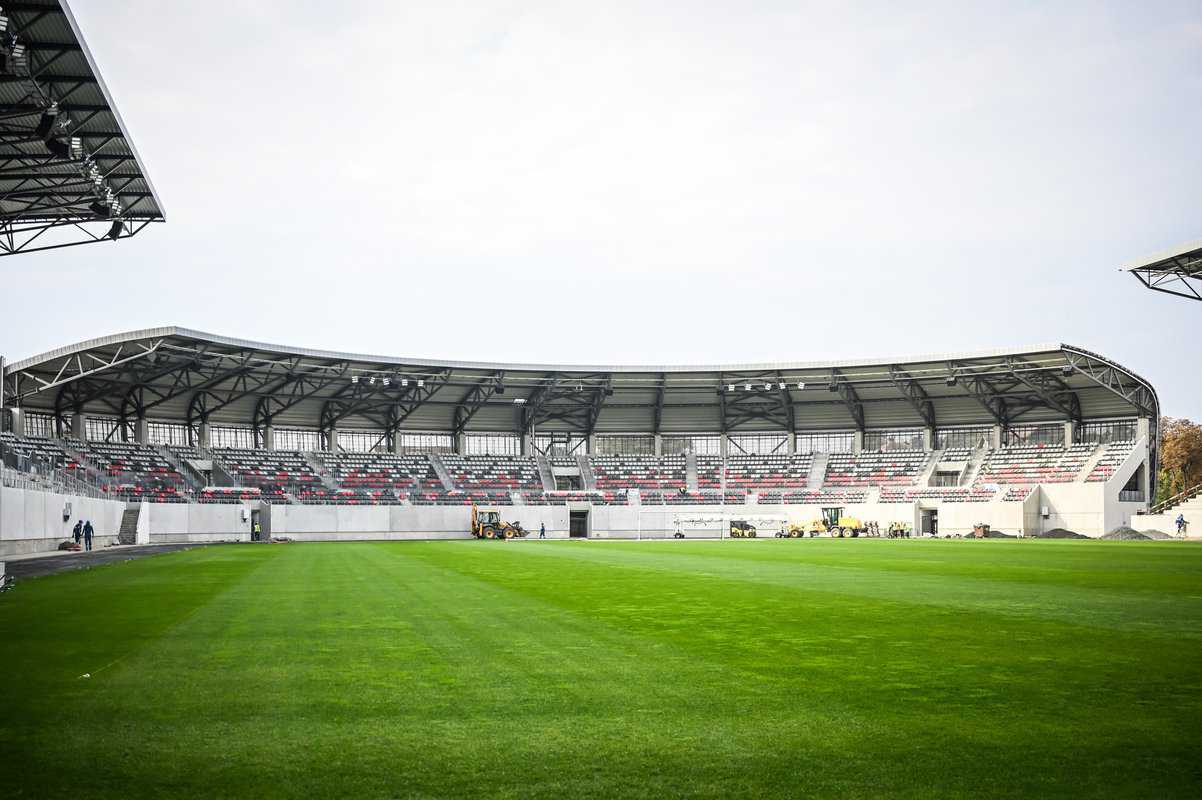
(321, 470)
(974, 466)
(440, 469)
(817, 471)
(924, 477)
(194, 480)
(1090, 463)
(587, 479)
(545, 474)
(128, 534)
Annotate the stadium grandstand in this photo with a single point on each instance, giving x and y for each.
(196, 436)
(1176, 272)
(69, 172)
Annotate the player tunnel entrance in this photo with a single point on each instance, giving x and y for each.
(578, 524)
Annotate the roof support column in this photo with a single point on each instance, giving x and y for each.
(18, 420)
(723, 445)
(269, 437)
(1143, 429)
(79, 426)
(1070, 433)
(592, 444)
(331, 442)
(857, 442)
(141, 430)
(791, 443)
(460, 443)
(659, 445)
(995, 437)
(928, 439)
(396, 441)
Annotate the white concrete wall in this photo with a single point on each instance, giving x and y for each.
(32, 521)
(188, 522)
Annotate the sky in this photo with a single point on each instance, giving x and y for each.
(646, 183)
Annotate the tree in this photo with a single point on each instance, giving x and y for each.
(1180, 456)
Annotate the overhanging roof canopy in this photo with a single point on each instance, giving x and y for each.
(69, 173)
(180, 375)
(1177, 271)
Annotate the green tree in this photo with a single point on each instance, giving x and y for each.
(1180, 456)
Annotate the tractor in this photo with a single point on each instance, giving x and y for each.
(487, 524)
(741, 529)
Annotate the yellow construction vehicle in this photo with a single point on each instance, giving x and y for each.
(741, 529)
(849, 526)
(487, 524)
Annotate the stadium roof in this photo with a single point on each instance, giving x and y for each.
(179, 375)
(1177, 271)
(69, 172)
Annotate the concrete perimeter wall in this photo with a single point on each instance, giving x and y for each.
(32, 521)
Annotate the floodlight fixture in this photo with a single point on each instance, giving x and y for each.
(951, 380)
(747, 387)
(801, 385)
(420, 383)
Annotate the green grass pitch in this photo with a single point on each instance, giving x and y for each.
(575, 669)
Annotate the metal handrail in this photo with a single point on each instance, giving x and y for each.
(1177, 499)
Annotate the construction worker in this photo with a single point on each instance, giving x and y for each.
(77, 531)
(542, 530)
(87, 535)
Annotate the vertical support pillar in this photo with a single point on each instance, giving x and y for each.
(204, 436)
(791, 443)
(592, 444)
(995, 437)
(331, 442)
(397, 447)
(928, 439)
(1143, 429)
(269, 437)
(18, 418)
(1070, 433)
(141, 430)
(659, 445)
(857, 443)
(460, 443)
(79, 426)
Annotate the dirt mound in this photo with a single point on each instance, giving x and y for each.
(1155, 534)
(1060, 533)
(999, 535)
(1124, 534)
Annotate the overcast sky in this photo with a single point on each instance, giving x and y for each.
(646, 183)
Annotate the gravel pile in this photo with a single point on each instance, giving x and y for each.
(1060, 533)
(1155, 534)
(999, 535)
(1124, 534)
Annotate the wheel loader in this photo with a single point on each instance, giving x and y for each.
(487, 524)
